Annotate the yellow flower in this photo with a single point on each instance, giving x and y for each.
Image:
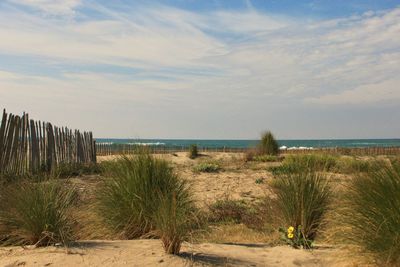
(290, 229)
(290, 235)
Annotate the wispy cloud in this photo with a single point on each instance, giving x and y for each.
(159, 55)
(51, 7)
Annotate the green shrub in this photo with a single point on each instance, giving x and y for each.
(207, 167)
(266, 158)
(134, 189)
(268, 144)
(371, 213)
(36, 213)
(303, 199)
(193, 152)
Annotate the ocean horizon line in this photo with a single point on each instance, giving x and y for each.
(246, 143)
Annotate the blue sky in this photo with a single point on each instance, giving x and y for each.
(204, 69)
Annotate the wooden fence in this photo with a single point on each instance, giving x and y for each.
(28, 146)
(105, 149)
(352, 151)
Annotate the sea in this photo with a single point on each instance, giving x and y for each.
(289, 144)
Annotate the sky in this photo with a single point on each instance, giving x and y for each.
(304, 69)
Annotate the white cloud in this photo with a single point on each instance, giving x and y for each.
(388, 90)
(52, 7)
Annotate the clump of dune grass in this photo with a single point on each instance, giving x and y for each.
(208, 166)
(36, 213)
(370, 214)
(303, 199)
(135, 188)
(174, 218)
(268, 144)
(193, 151)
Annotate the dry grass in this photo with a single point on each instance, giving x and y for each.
(236, 233)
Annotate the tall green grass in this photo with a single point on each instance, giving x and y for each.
(142, 196)
(370, 213)
(303, 199)
(36, 213)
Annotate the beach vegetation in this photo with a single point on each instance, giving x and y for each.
(175, 217)
(193, 151)
(138, 192)
(260, 180)
(228, 211)
(66, 170)
(36, 213)
(258, 216)
(369, 214)
(266, 158)
(268, 144)
(207, 166)
(249, 155)
(303, 199)
(324, 163)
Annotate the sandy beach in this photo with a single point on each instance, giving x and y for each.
(150, 253)
(225, 245)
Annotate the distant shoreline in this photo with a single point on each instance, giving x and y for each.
(285, 144)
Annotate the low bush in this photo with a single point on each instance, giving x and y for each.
(370, 213)
(303, 199)
(36, 213)
(268, 144)
(207, 167)
(193, 152)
